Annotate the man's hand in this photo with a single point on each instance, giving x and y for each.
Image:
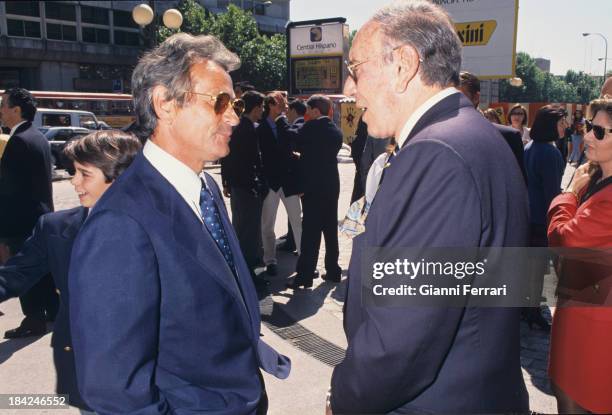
(581, 179)
(226, 191)
(281, 101)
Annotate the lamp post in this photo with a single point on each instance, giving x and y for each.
(606, 54)
(144, 15)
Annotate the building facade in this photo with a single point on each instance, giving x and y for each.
(91, 46)
(271, 16)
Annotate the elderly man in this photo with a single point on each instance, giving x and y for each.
(164, 313)
(448, 186)
(25, 194)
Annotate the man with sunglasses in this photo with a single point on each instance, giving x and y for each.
(164, 314)
(448, 186)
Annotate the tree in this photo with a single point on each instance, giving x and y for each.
(539, 86)
(263, 57)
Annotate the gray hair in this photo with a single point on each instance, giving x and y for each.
(169, 65)
(428, 29)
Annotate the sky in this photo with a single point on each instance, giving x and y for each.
(550, 29)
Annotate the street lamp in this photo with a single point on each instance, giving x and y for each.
(516, 82)
(606, 55)
(144, 15)
(600, 59)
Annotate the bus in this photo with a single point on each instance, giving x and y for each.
(117, 110)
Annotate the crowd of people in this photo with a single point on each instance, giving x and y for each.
(156, 286)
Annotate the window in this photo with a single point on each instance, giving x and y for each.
(222, 4)
(60, 11)
(260, 9)
(94, 35)
(61, 32)
(56, 120)
(23, 8)
(87, 121)
(123, 19)
(23, 28)
(95, 15)
(126, 38)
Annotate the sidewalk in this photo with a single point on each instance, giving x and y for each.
(26, 365)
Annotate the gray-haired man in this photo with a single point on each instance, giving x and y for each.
(164, 315)
(448, 186)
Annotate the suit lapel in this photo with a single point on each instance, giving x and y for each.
(74, 222)
(193, 238)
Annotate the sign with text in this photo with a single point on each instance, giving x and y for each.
(487, 29)
(315, 52)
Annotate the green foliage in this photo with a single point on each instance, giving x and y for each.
(539, 86)
(263, 57)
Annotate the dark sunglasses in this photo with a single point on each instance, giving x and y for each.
(221, 101)
(600, 132)
(516, 113)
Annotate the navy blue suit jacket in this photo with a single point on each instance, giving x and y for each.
(449, 186)
(48, 250)
(160, 324)
(25, 182)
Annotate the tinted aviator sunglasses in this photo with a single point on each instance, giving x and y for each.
(220, 102)
(600, 132)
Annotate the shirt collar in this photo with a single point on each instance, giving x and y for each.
(15, 127)
(186, 182)
(420, 111)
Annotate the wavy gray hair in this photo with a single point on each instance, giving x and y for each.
(169, 65)
(428, 29)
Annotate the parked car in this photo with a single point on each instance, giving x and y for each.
(51, 117)
(58, 137)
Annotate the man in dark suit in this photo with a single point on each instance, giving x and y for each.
(295, 116)
(318, 143)
(448, 186)
(25, 194)
(244, 183)
(164, 315)
(469, 84)
(102, 157)
(280, 169)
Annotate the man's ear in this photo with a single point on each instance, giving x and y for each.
(407, 68)
(164, 109)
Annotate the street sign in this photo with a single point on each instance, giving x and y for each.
(487, 29)
(316, 50)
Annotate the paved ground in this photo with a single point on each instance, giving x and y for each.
(26, 365)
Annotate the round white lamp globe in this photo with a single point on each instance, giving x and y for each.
(142, 14)
(516, 82)
(173, 19)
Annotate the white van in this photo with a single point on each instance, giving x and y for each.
(46, 117)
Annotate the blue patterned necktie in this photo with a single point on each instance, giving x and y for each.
(212, 221)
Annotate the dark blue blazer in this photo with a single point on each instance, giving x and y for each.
(160, 324)
(449, 186)
(25, 182)
(48, 250)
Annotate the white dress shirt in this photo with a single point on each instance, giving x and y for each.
(186, 182)
(416, 116)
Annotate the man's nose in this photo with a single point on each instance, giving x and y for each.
(350, 88)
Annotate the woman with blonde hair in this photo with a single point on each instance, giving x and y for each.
(580, 221)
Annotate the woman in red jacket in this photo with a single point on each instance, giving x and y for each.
(581, 341)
